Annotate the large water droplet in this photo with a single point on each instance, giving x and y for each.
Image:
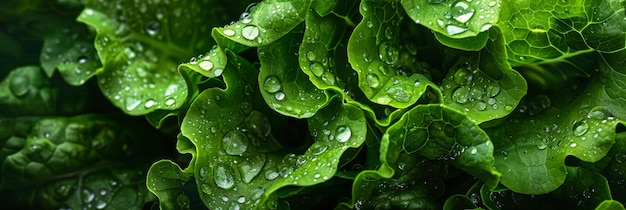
(149, 103)
(388, 53)
(271, 84)
(462, 12)
(101, 204)
(462, 76)
(580, 128)
(87, 195)
(203, 172)
(82, 59)
(318, 149)
(461, 95)
(599, 113)
(235, 142)
(19, 85)
(372, 80)
(454, 30)
(224, 176)
(250, 32)
(493, 89)
(311, 55)
(251, 167)
(271, 175)
(328, 78)
(542, 146)
(343, 133)
(481, 105)
(317, 68)
(132, 103)
(206, 65)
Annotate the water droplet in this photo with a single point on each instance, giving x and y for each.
(152, 27)
(573, 145)
(372, 80)
(101, 204)
(436, 1)
(311, 55)
(131, 103)
(241, 199)
(462, 76)
(279, 96)
(461, 95)
(258, 124)
(271, 175)
(217, 72)
(462, 12)
(229, 32)
(481, 106)
(388, 53)
(343, 133)
(251, 167)
(485, 27)
(542, 146)
(271, 84)
(599, 113)
(492, 3)
(400, 93)
(369, 24)
(317, 68)
(149, 103)
(87, 195)
(82, 59)
(493, 89)
(235, 142)
(454, 30)
(206, 65)
(250, 32)
(473, 151)
(224, 176)
(367, 58)
(19, 85)
(318, 149)
(203, 172)
(170, 101)
(620, 157)
(580, 128)
(328, 78)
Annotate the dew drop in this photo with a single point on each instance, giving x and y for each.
(573, 145)
(343, 133)
(311, 55)
(461, 95)
(271, 175)
(229, 32)
(271, 84)
(203, 172)
(82, 59)
(170, 101)
(328, 78)
(250, 32)
(87, 195)
(542, 146)
(599, 113)
(462, 76)
(152, 28)
(131, 103)
(251, 167)
(372, 80)
(318, 149)
(492, 3)
(235, 143)
(217, 72)
(279, 96)
(400, 93)
(149, 103)
(388, 53)
(241, 199)
(369, 24)
(493, 89)
(485, 27)
(462, 12)
(317, 68)
(454, 30)
(224, 176)
(580, 128)
(367, 58)
(101, 204)
(538, 104)
(206, 65)
(481, 105)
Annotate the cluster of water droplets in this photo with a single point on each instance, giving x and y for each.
(475, 89)
(460, 15)
(319, 63)
(244, 28)
(209, 62)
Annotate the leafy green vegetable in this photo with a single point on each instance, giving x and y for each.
(312, 104)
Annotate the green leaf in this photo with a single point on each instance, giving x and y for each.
(79, 162)
(474, 43)
(484, 86)
(459, 202)
(378, 56)
(239, 161)
(610, 205)
(284, 86)
(437, 132)
(71, 51)
(166, 180)
(263, 23)
(140, 45)
(456, 19)
(550, 30)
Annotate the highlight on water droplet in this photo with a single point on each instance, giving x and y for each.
(235, 142)
(461, 95)
(206, 65)
(454, 30)
(461, 11)
(224, 176)
(229, 32)
(279, 96)
(372, 80)
(580, 128)
(149, 103)
(316, 68)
